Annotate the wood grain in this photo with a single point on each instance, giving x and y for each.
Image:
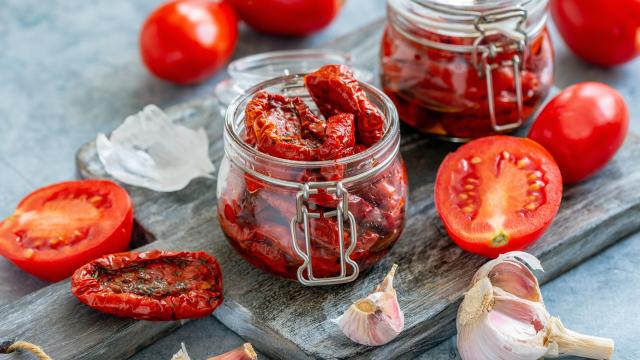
(286, 320)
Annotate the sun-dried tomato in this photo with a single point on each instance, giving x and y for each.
(339, 138)
(276, 127)
(440, 92)
(335, 90)
(152, 285)
(312, 126)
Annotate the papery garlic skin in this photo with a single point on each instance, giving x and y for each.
(376, 319)
(181, 354)
(503, 316)
(149, 150)
(244, 352)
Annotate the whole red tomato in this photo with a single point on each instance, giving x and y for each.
(186, 41)
(602, 32)
(287, 17)
(582, 127)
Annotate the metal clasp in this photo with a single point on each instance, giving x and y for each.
(302, 217)
(494, 22)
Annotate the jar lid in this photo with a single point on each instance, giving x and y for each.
(474, 18)
(253, 69)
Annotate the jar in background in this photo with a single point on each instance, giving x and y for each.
(297, 219)
(464, 69)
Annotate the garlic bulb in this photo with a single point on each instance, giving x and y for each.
(503, 316)
(376, 319)
(150, 151)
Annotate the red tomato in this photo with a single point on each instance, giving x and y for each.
(287, 17)
(582, 127)
(497, 194)
(602, 32)
(152, 285)
(186, 41)
(60, 227)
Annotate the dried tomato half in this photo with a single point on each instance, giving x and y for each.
(152, 285)
(340, 137)
(335, 90)
(275, 122)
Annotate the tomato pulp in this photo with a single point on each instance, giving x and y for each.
(153, 285)
(582, 127)
(187, 41)
(497, 194)
(58, 228)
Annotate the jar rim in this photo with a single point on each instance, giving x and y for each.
(232, 138)
(241, 68)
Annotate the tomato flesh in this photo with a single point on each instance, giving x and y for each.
(58, 228)
(497, 194)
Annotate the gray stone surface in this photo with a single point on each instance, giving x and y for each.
(69, 69)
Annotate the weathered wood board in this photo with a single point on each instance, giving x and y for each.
(288, 321)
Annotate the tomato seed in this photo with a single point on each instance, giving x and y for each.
(533, 176)
(523, 162)
(28, 253)
(463, 196)
(476, 160)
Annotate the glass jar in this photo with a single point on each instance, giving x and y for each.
(296, 219)
(463, 69)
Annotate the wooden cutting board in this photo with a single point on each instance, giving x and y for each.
(288, 321)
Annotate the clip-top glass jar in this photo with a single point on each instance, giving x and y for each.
(462, 69)
(297, 219)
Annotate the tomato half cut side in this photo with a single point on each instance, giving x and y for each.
(153, 285)
(497, 194)
(60, 227)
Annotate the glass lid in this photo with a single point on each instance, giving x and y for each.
(253, 69)
(479, 5)
(466, 17)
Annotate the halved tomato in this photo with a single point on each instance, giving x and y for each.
(58, 228)
(497, 194)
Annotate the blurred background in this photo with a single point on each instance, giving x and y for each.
(70, 69)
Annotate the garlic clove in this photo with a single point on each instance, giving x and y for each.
(376, 319)
(181, 354)
(149, 150)
(244, 352)
(509, 273)
(502, 316)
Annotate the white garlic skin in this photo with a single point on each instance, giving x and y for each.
(149, 150)
(376, 319)
(503, 316)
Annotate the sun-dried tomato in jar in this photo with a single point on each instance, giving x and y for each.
(462, 70)
(312, 181)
